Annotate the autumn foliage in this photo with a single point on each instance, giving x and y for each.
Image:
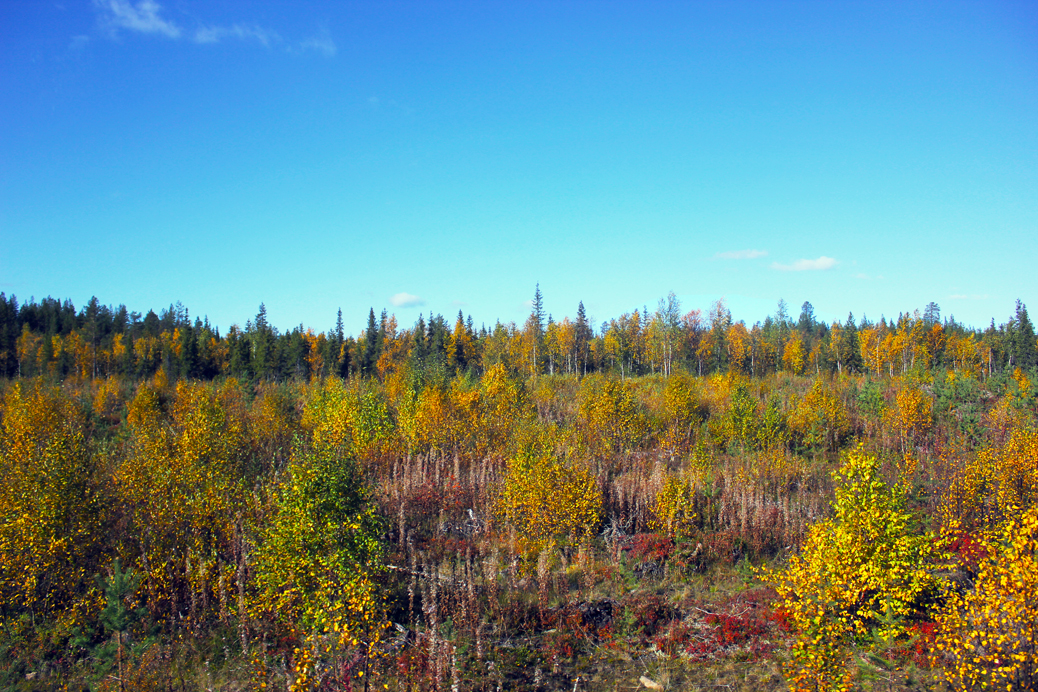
(452, 507)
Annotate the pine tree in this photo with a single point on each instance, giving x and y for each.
(932, 314)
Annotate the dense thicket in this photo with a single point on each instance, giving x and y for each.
(462, 517)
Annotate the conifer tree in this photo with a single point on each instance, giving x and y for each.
(583, 337)
(371, 344)
(1022, 339)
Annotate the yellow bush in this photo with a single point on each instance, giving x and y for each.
(858, 578)
(684, 405)
(609, 415)
(317, 561)
(910, 417)
(181, 490)
(987, 638)
(794, 355)
(673, 511)
(108, 400)
(820, 418)
(503, 403)
(987, 489)
(274, 420)
(739, 419)
(355, 418)
(547, 500)
(51, 515)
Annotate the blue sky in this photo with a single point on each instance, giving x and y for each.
(435, 156)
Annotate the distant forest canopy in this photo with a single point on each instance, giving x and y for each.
(52, 338)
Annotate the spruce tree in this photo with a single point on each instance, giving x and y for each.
(583, 337)
(371, 345)
(1022, 339)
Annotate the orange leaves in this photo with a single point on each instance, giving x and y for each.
(314, 360)
(794, 354)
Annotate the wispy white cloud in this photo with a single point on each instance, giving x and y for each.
(869, 277)
(972, 296)
(242, 32)
(145, 16)
(459, 303)
(741, 254)
(142, 17)
(322, 44)
(79, 42)
(406, 300)
(806, 265)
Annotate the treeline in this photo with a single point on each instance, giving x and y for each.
(52, 338)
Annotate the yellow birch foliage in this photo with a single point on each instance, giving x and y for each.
(859, 576)
(609, 415)
(794, 355)
(51, 513)
(739, 413)
(503, 403)
(431, 419)
(274, 420)
(819, 419)
(180, 488)
(683, 400)
(108, 400)
(317, 561)
(987, 638)
(548, 500)
(354, 417)
(910, 417)
(684, 408)
(464, 401)
(989, 488)
(673, 511)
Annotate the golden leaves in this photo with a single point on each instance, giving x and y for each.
(608, 415)
(860, 575)
(987, 636)
(50, 514)
(548, 500)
